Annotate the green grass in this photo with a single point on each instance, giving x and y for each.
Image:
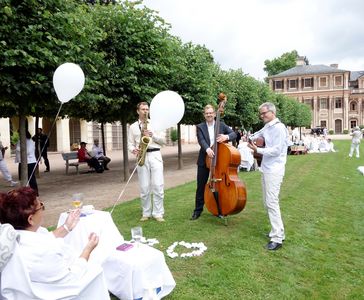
(322, 205)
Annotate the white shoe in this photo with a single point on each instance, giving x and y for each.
(13, 183)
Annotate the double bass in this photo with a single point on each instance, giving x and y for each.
(224, 193)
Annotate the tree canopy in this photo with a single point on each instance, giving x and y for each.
(127, 55)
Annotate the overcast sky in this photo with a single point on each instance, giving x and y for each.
(244, 33)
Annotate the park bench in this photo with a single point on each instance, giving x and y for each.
(72, 156)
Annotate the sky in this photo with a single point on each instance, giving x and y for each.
(242, 34)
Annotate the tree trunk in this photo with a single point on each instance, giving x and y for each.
(103, 138)
(23, 151)
(125, 150)
(180, 161)
(300, 134)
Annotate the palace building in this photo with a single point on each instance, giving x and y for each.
(335, 96)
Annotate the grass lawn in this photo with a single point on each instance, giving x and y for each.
(322, 205)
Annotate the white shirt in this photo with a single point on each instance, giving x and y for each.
(211, 129)
(356, 136)
(275, 152)
(134, 137)
(97, 151)
(48, 259)
(30, 152)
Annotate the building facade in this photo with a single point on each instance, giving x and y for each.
(65, 134)
(335, 96)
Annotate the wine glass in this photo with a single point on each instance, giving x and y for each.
(77, 200)
(136, 234)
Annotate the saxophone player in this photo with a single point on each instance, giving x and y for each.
(145, 144)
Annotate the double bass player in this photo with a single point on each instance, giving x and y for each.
(206, 138)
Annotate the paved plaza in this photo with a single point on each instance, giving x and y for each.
(101, 190)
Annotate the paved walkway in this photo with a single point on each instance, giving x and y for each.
(101, 190)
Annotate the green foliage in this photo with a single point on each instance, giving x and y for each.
(345, 131)
(36, 37)
(128, 56)
(174, 135)
(331, 131)
(14, 138)
(323, 217)
(284, 62)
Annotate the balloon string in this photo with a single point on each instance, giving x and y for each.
(46, 141)
(126, 184)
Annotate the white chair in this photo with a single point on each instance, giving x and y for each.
(15, 283)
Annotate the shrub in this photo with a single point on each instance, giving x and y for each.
(331, 131)
(174, 135)
(345, 131)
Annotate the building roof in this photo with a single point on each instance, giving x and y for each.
(308, 70)
(354, 75)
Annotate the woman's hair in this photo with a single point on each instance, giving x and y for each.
(16, 206)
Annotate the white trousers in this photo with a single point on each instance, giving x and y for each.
(4, 170)
(151, 183)
(355, 147)
(271, 185)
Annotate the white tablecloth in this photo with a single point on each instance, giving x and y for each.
(130, 274)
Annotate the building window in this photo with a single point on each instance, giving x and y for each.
(353, 124)
(278, 85)
(308, 82)
(338, 102)
(323, 103)
(323, 124)
(308, 102)
(293, 84)
(353, 106)
(338, 80)
(323, 82)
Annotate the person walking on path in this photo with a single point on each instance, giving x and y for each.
(4, 168)
(206, 138)
(355, 141)
(150, 174)
(43, 147)
(31, 161)
(272, 167)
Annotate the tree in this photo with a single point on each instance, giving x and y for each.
(284, 62)
(35, 37)
(134, 45)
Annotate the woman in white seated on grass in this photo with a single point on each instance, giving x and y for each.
(46, 257)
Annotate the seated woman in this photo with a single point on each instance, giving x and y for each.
(47, 258)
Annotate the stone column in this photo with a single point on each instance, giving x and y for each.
(63, 135)
(84, 132)
(345, 112)
(31, 125)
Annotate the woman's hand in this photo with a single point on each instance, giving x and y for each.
(93, 240)
(73, 219)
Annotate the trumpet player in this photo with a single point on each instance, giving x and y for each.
(145, 144)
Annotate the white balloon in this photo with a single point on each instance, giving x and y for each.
(166, 110)
(68, 81)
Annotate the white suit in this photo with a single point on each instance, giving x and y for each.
(151, 181)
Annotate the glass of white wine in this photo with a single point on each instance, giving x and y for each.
(136, 234)
(77, 200)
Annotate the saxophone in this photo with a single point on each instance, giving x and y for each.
(144, 142)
